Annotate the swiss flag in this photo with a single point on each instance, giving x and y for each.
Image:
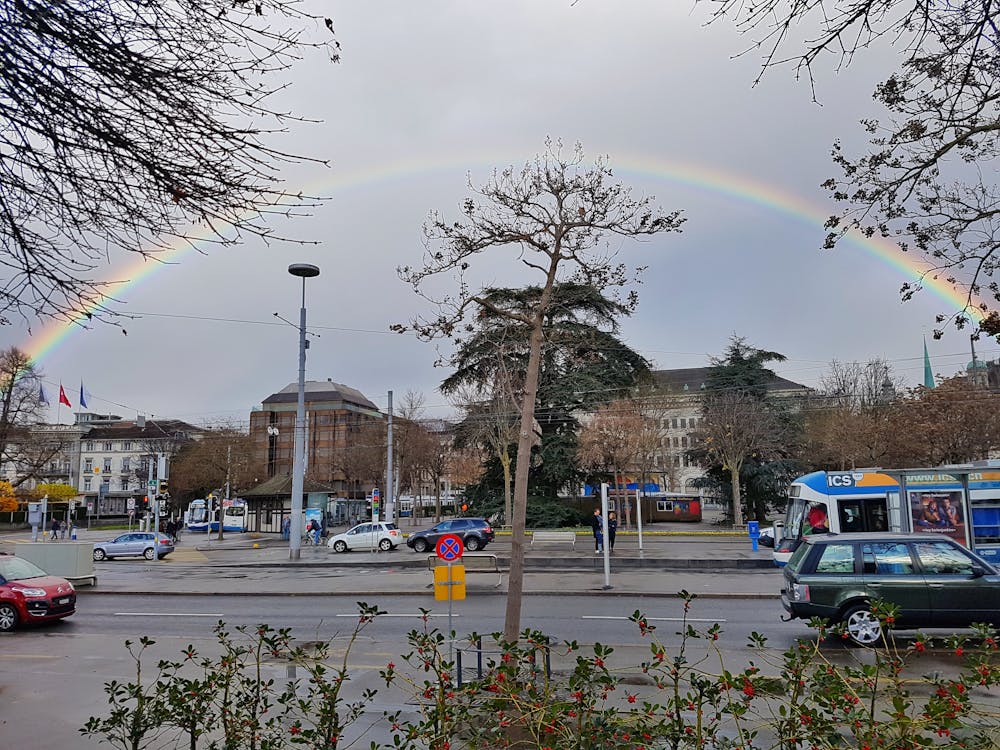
(62, 397)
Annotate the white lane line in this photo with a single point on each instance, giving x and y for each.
(169, 614)
(652, 619)
(404, 614)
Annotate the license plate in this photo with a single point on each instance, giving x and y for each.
(64, 600)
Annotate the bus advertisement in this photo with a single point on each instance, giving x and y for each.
(960, 502)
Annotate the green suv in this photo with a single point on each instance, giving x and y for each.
(934, 581)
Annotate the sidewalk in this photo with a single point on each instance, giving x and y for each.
(713, 565)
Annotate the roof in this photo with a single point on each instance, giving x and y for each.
(157, 429)
(321, 390)
(281, 484)
(695, 378)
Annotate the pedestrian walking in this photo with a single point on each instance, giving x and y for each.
(55, 529)
(286, 528)
(597, 524)
(62, 530)
(315, 528)
(171, 529)
(612, 529)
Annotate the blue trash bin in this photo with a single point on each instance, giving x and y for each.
(753, 531)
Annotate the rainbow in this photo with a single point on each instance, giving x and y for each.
(698, 176)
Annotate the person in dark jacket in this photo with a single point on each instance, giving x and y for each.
(597, 524)
(612, 529)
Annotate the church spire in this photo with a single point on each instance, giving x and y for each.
(928, 372)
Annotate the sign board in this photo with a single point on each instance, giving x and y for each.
(152, 483)
(449, 548)
(375, 505)
(90, 507)
(130, 503)
(449, 583)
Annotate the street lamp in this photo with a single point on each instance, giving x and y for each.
(304, 271)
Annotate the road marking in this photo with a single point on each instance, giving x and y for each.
(169, 614)
(404, 614)
(653, 619)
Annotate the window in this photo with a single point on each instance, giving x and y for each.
(665, 506)
(887, 558)
(90, 445)
(684, 442)
(836, 558)
(684, 424)
(673, 423)
(107, 465)
(86, 484)
(88, 464)
(127, 445)
(126, 464)
(692, 422)
(941, 558)
(109, 446)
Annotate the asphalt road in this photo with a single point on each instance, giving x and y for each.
(52, 676)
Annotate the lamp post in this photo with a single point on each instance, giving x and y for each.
(303, 271)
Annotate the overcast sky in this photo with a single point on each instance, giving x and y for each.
(431, 91)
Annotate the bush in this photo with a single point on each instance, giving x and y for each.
(682, 696)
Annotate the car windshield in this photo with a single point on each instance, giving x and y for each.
(16, 569)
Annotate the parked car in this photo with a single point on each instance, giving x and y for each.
(385, 536)
(29, 594)
(935, 582)
(135, 544)
(766, 538)
(476, 533)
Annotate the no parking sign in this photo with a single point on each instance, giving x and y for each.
(449, 548)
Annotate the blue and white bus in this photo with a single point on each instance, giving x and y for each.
(234, 516)
(961, 502)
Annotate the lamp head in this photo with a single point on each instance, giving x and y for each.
(305, 270)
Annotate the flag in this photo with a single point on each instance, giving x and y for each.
(928, 372)
(83, 398)
(62, 397)
(42, 398)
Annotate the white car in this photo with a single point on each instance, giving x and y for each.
(383, 536)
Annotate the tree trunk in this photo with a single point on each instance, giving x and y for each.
(734, 478)
(515, 587)
(507, 510)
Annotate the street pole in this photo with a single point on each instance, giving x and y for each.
(303, 271)
(638, 515)
(606, 545)
(390, 498)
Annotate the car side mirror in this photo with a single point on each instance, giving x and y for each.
(978, 571)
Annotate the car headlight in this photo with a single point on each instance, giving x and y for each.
(32, 592)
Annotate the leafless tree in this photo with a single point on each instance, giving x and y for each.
(734, 427)
(850, 423)
(130, 126)
(928, 177)
(20, 404)
(554, 217)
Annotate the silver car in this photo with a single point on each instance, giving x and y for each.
(384, 536)
(135, 544)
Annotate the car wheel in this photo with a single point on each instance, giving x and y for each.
(385, 545)
(472, 544)
(420, 545)
(149, 554)
(863, 628)
(8, 618)
(340, 546)
(99, 554)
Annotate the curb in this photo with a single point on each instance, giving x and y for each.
(425, 592)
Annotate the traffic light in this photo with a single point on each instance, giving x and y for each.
(145, 502)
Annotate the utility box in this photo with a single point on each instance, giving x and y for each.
(74, 561)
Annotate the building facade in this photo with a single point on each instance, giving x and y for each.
(340, 435)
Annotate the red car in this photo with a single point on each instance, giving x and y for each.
(29, 594)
